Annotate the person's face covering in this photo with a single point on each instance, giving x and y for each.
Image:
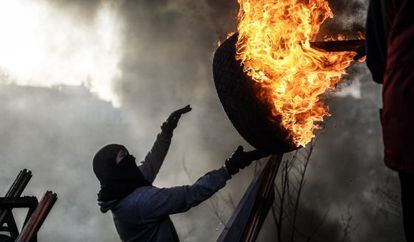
(117, 172)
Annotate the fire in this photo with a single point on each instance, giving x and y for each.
(274, 48)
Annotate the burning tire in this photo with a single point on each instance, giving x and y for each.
(239, 96)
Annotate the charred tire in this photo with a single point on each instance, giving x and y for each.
(239, 96)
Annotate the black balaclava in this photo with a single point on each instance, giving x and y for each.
(117, 180)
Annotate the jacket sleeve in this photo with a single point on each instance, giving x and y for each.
(158, 202)
(155, 157)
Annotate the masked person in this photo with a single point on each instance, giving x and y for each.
(390, 58)
(140, 210)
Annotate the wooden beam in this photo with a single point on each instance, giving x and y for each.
(30, 229)
(250, 213)
(339, 45)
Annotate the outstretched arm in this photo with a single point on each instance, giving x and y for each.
(155, 157)
(153, 202)
(158, 202)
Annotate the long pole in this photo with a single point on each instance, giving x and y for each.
(250, 213)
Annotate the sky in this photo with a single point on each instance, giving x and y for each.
(76, 75)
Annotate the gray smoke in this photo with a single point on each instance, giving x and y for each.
(168, 52)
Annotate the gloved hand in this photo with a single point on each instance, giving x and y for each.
(172, 121)
(241, 159)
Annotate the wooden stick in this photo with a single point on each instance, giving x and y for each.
(29, 231)
(250, 213)
(339, 45)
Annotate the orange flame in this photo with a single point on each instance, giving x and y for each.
(274, 48)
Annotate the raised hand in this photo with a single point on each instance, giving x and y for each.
(172, 121)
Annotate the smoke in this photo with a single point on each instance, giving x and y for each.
(152, 57)
(45, 46)
(349, 18)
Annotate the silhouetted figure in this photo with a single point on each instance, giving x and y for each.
(141, 211)
(390, 58)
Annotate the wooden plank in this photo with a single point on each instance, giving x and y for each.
(250, 213)
(339, 45)
(29, 231)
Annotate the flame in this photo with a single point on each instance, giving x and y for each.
(274, 48)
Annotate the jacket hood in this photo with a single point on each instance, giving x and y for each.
(117, 179)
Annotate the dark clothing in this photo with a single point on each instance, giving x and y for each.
(376, 42)
(154, 159)
(390, 28)
(125, 178)
(105, 160)
(117, 180)
(390, 58)
(407, 201)
(143, 215)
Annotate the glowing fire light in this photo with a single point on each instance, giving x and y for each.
(274, 48)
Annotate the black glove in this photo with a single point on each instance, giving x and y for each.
(172, 121)
(241, 159)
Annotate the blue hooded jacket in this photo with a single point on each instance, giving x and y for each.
(143, 215)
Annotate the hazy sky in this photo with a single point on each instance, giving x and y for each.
(76, 75)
